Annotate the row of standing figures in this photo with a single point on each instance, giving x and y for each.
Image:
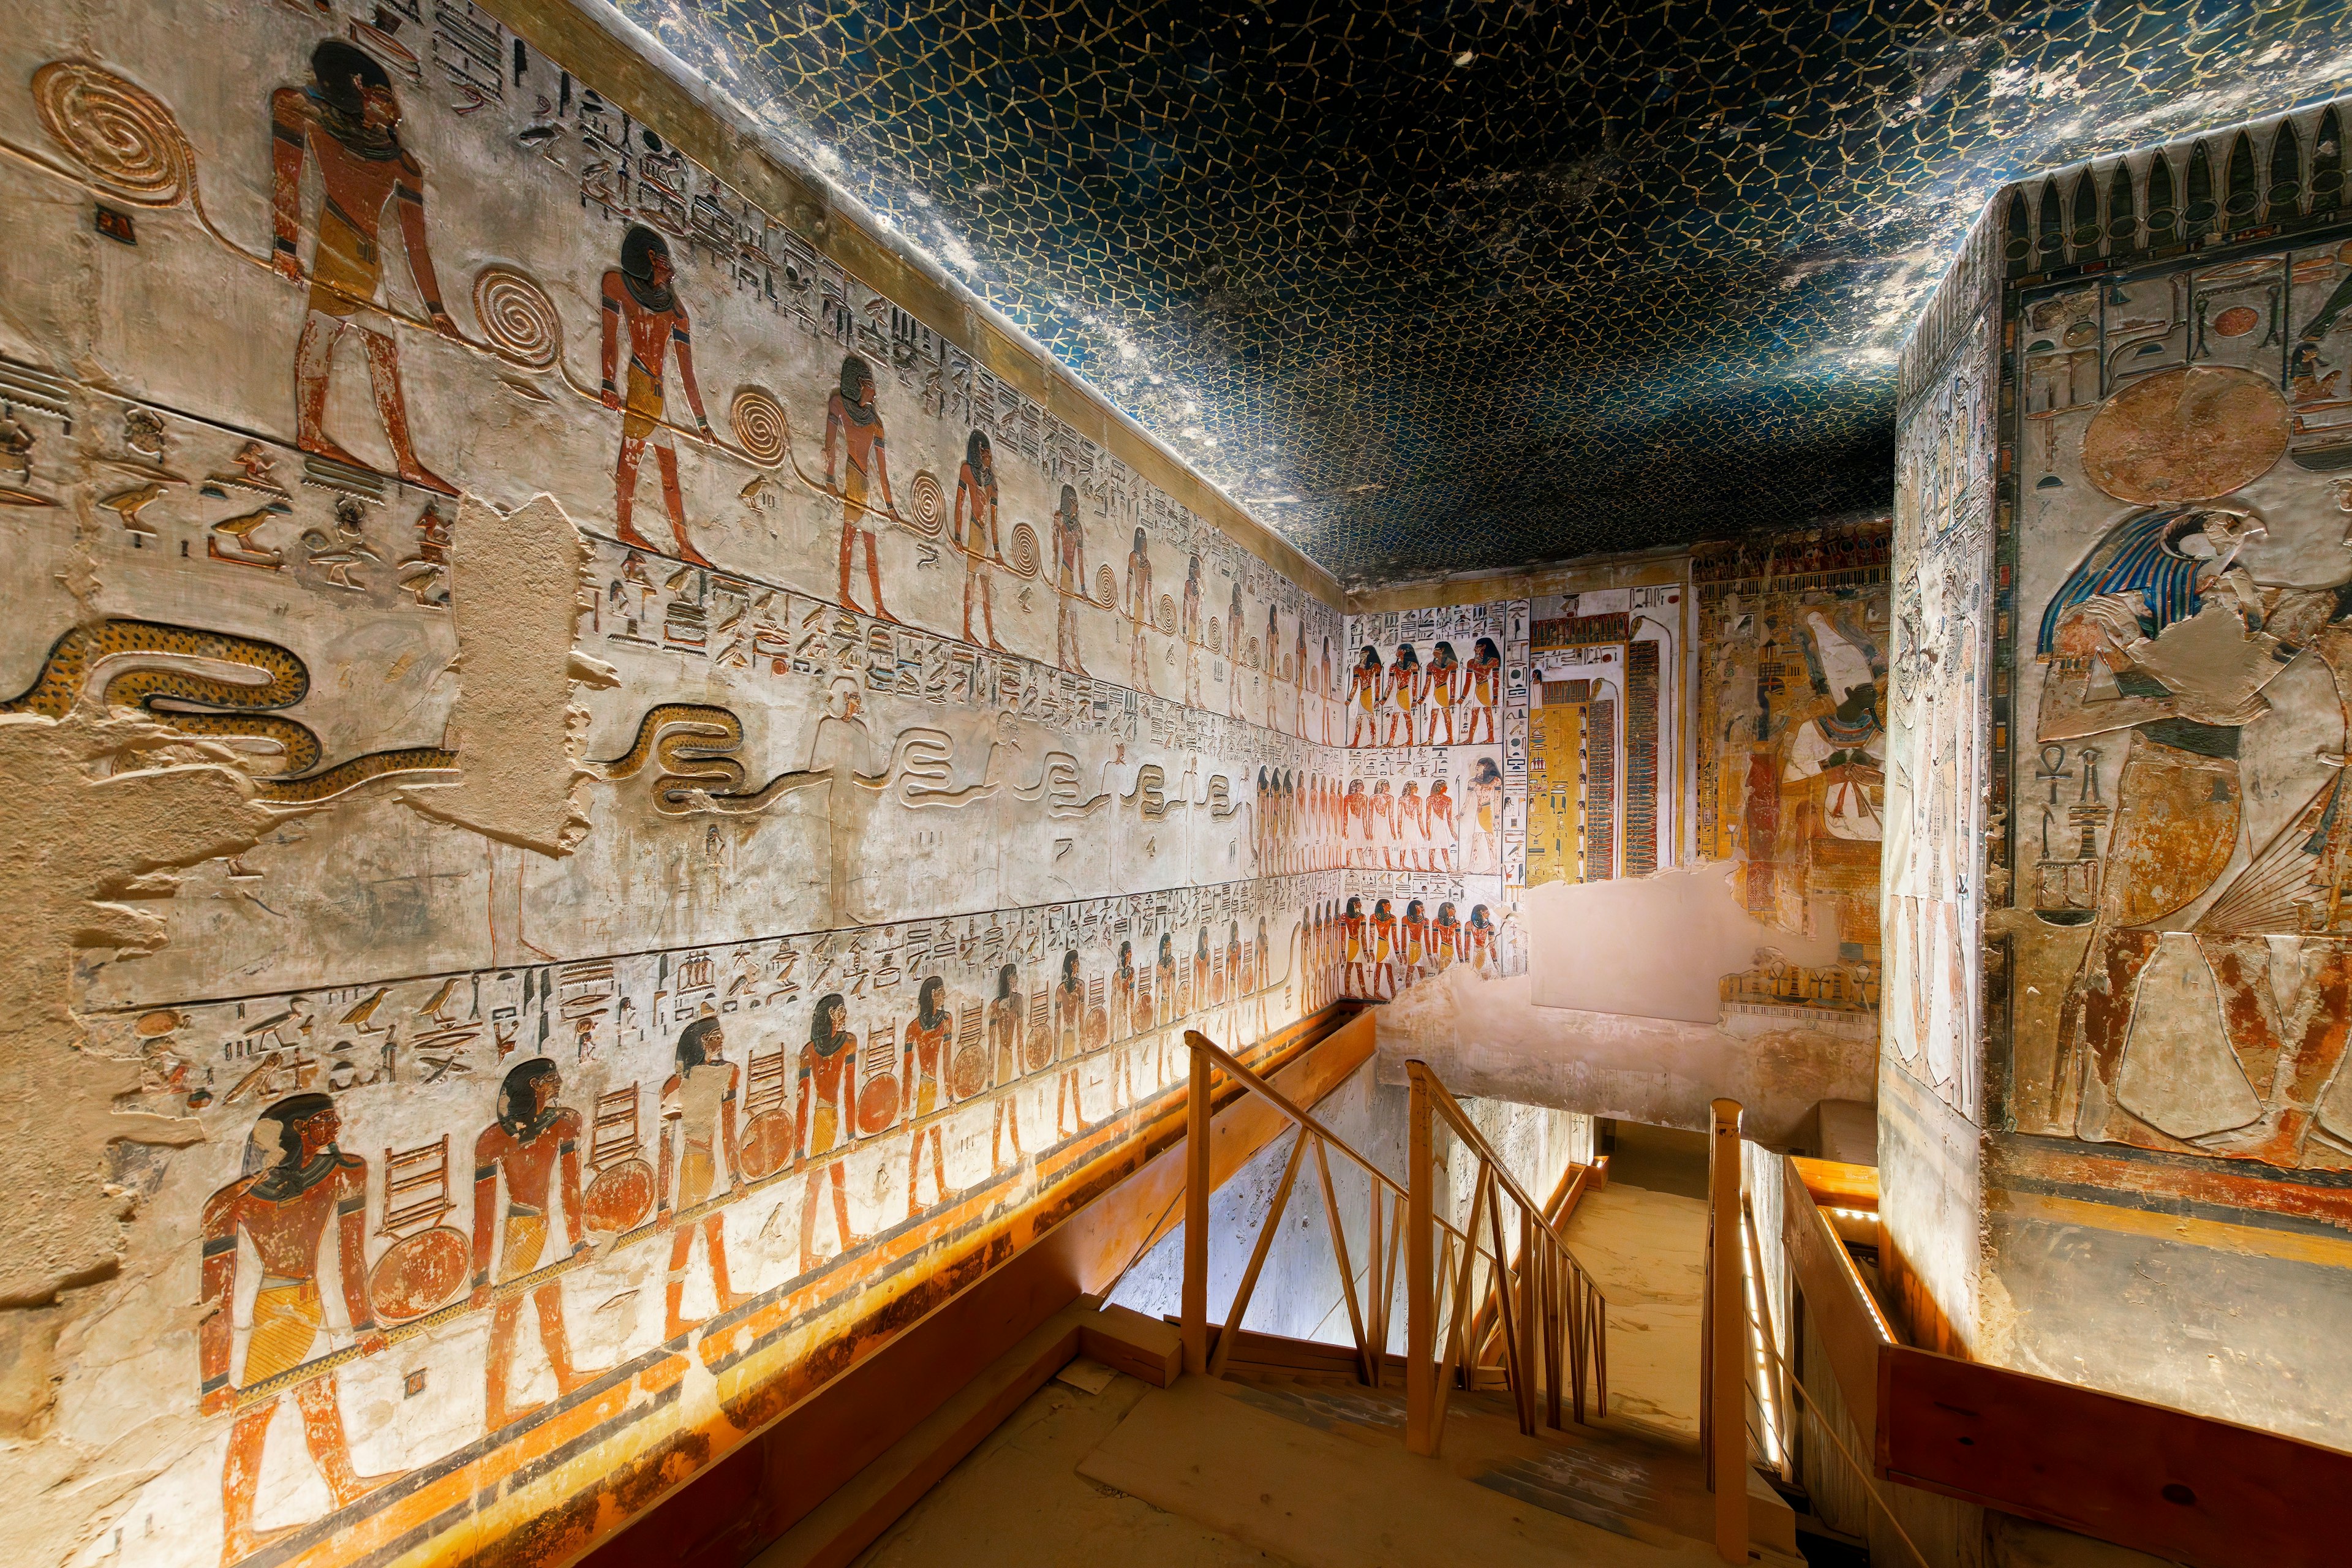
(299, 1186)
(1316, 823)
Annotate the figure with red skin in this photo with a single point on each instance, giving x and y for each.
(1352, 934)
(1384, 951)
(348, 122)
(854, 425)
(1443, 691)
(1005, 1024)
(1403, 698)
(1365, 683)
(1138, 614)
(534, 1144)
(1069, 1028)
(1411, 828)
(1485, 676)
(924, 1078)
(1190, 626)
(825, 1120)
(638, 295)
(296, 1185)
(1412, 940)
(1437, 812)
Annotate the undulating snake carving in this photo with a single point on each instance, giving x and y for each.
(189, 702)
(693, 744)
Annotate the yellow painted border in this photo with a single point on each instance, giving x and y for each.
(2221, 1236)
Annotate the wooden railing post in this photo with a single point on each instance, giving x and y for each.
(1419, 1276)
(1196, 1218)
(1727, 1322)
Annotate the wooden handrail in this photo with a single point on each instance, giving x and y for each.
(1203, 1047)
(1723, 1404)
(2188, 1488)
(1551, 1318)
(1465, 1130)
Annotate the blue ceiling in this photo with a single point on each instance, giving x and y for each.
(1457, 286)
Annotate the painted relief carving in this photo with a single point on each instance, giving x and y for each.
(1422, 817)
(876, 890)
(2183, 659)
(1794, 641)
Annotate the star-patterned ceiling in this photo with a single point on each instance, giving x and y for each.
(1458, 285)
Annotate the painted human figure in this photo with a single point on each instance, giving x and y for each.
(1005, 1022)
(852, 420)
(1384, 949)
(1445, 939)
(347, 120)
(923, 1076)
(1299, 681)
(697, 1142)
(1233, 655)
(1485, 684)
(1237, 981)
(1123, 1025)
(1190, 624)
(638, 293)
(1443, 691)
(825, 1119)
(1139, 612)
(976, 526)
(1206, 990)
(1353, 949)
(1380, 827)
(1365, 683)
(1479, 942)
(1437, 813)
(1485, 817)
(295, 1183)
(1355, 824)
(1260, 980)
(1069, 1034)
(1273, 656)
(1324, 677)
(1844, 748)
(1069, 580)
(2181, 800)
(1168, 1006)
(1411, 828)
(534, 1145)
(1412, 940)
(1401, 699)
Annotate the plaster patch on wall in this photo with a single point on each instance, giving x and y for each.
(515, 587)
(86, 847)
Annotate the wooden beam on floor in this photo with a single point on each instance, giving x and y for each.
(2182, 1487)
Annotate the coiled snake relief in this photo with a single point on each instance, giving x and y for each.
(181, 698)
(693, 744)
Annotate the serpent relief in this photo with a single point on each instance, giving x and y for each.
(188, 702)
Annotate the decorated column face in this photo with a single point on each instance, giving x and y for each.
(778, 898)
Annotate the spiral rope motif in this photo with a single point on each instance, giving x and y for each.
(761, 428)
(1164, 617)
(121, 134)
(929, 502)
(1107, 588)
(1025, 557)
(516, 317)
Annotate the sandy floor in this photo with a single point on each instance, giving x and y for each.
(1647, 1252)
(1017, 1501)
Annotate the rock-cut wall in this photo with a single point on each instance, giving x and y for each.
(605, 779)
